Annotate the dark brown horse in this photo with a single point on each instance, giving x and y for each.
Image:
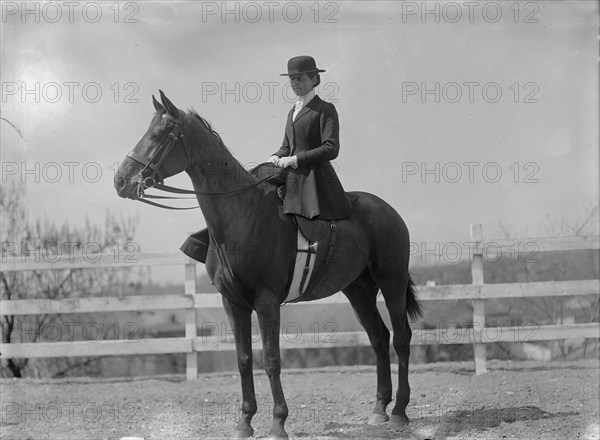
(252, 252)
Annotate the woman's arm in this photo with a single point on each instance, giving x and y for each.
(330, 142)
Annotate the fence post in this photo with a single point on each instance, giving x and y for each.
(191, 361)
(479, 350)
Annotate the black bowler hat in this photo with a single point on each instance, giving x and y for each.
(301, 64)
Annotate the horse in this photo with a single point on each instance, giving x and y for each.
(244, 212)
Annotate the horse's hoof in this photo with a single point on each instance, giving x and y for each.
(397, 421)
(376, 419)
(243, 433)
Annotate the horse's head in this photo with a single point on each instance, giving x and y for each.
(160, 153)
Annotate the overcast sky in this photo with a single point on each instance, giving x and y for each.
(499, 103)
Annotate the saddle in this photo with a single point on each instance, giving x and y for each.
(313, 229)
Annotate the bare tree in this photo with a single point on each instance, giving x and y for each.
(41, 239)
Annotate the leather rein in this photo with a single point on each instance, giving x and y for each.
(156, 179)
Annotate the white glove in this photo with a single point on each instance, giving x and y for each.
(290, 161)
(273, 159)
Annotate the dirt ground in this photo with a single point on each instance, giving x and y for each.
(533, 400)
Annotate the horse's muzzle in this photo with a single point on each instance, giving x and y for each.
(124, 188)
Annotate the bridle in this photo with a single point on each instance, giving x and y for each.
(163, 150)
(151, 163)
(156, 177)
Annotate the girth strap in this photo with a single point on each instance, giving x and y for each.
(306, 270)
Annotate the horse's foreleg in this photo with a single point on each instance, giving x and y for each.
(267, 309)
(240, 320)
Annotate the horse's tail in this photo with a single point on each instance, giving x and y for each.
(413, 307)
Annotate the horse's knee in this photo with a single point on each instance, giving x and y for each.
(245, 364)
(273, 367)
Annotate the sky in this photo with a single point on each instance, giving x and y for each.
(453, 112)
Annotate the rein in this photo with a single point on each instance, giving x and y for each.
(155, 179)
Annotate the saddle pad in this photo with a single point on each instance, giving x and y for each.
(305, 263)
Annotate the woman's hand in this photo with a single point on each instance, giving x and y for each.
(290, 161)
(273, 159)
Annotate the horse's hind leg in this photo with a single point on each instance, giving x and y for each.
(362, 294)
(394, 292)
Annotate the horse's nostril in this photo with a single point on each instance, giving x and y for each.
(121, 182)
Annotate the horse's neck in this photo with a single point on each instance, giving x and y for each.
(215, 171)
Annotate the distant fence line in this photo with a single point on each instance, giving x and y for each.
(192, 345)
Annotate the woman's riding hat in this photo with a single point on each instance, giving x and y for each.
(301, 64)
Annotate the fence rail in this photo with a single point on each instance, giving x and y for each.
(454, 252)
(191, 344)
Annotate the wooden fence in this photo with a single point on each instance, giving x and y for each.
(192, 344)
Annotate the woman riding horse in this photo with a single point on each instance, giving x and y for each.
(310, 141)
(253, 253)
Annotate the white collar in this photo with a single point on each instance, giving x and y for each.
(305, 99)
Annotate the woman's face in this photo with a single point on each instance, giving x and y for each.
(301, 84)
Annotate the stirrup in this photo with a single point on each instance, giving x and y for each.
(281, 191)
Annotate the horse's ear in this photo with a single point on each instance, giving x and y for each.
(171, 109)
(157, 105)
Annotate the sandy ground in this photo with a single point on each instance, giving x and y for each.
(551, 400)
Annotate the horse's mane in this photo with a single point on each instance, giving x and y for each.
(217, 136)
(207, 126)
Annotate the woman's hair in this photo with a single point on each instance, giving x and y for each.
(313, 75)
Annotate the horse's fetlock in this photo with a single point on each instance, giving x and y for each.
(249, 408)
(280, 412)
